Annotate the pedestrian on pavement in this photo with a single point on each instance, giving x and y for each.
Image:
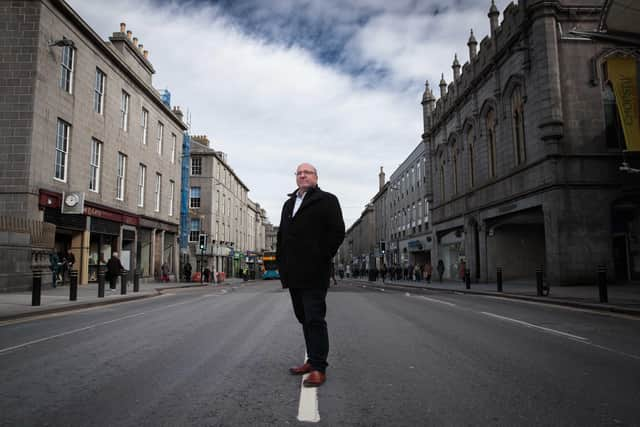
(428, 270)
(462, 269)
(54, 266)
(70, 261)
(114, 269)
(310, 233)
(164, 268)
(207, 273)
(187, 272)
(440, 269)
(332, 274)
(383, 272)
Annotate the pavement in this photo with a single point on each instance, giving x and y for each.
(622, 298)
(16, 305)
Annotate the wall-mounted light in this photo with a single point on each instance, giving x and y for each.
(63, 42)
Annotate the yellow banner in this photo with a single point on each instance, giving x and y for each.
(622, 73)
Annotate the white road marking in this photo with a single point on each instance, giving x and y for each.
(308, 406)
(438, 301)
(95, 325)
(15, 347)
(531, 325)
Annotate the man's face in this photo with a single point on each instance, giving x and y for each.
(306, 176)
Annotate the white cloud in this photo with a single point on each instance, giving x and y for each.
(273, 105)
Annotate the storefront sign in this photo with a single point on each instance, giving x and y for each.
(151, 223)
(111, 216)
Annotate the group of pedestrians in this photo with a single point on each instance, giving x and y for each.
(418, 272)
(61, 265)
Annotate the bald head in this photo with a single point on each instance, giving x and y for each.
(306, 176)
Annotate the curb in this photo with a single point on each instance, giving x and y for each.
(156, 291)
(611, 308)
(79, 306)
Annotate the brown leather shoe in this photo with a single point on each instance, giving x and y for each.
(302, 369)
(315, 379)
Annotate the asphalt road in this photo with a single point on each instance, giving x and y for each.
(219, 357)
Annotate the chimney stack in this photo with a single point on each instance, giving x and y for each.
(381, 179)
(123, 27)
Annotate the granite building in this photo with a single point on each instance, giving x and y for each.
(88, 144)
(526, 144)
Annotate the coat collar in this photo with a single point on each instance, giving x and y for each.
(311, 195)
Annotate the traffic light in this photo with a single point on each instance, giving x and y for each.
(203, 241)
(383, 247)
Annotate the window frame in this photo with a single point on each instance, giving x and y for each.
(144, 124)
(199, 166)
(142, 183)
(195, 202)
(125, 101)
(158, 192)
(63, 140)
(160, 138)
(95, 160)
(121, 176)
(67, 69)
(99, 91)
(194, 232)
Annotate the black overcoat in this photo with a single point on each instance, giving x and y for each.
(308, 241)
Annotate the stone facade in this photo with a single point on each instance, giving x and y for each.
(407, 203)
(219, 207)
(523, 172)
(52, 122)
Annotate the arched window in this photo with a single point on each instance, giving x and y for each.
(517, 124)
(442, 178)
(613, 128)
(469, 142)
(491, 142)
(454, 172)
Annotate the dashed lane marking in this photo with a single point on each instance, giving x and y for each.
(541, 328)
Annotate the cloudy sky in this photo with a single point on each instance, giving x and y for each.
(274, 83)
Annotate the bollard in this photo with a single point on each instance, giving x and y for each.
(123, 283)
(100, 283)
(36, 289)
(136, 281)
(467, 278)
(602, 283)
(73, 285)
(539, 282)
(499, 278)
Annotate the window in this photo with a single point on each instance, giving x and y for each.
(517, 117)
(194, 232)
(94, 165)
(144, 122)
(426, 210)
(441, 179)
(454, 171)
(98, 94)
(196, 166)
(491, 142)
(66, 68)
(158, 191)
(142, 179)
(472, 173)
(172, 187)
(62, 149)
(124, 111)
(160, 136)
(173, 147)
(121, 170)
(194, 197)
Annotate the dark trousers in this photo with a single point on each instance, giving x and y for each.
(310, 308)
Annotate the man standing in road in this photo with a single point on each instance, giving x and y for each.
(310, 233)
